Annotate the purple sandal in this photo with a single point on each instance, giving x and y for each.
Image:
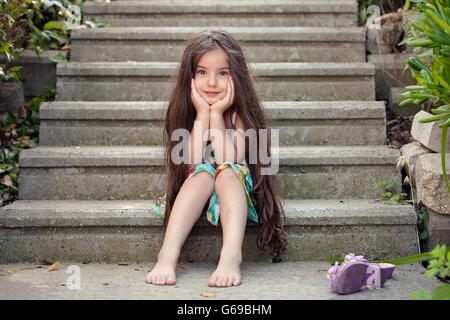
(356, 272)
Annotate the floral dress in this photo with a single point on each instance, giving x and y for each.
(210, 165)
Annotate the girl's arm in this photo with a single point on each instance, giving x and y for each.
(227, 147)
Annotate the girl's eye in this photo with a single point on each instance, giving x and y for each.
(202, 72)
(223, 73)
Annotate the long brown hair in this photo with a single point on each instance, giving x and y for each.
(181, 114)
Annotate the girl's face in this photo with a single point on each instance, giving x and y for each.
(211, 75)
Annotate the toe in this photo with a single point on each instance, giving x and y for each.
(223, 282)
(230, 282)
(212, 280)
(171, 280)
(236, 282)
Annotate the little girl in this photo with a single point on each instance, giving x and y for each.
(214, 92)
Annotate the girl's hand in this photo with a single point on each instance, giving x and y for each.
(222, 105)
(200, 105)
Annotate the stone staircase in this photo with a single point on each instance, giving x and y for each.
(86, 191)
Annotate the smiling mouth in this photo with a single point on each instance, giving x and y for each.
(211, 93)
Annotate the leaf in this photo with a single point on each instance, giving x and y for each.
(45, 262)
(7, 181)
(420, 295)
(53, 25)
(15, 69)
(442, 292)
(55, 266)
(207, 294)
(39, 286)
(58, 58)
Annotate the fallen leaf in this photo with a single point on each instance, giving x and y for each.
(10, 271)
(39, 286)
(54, 266)
(24, 142)
(43, 261)
(7, 181)
(207, 294)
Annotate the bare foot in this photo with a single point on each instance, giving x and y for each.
(162, 273)
(227, 274)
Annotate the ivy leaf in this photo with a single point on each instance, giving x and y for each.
(58, 58)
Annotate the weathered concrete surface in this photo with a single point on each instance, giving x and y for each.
(401, 111)
(389, 72)
(429, 134)
(66, 123)
(11, 97)
(229, 13)
(125, 172)
(438, 228)
(39, 72)
(431, 187)
(412, 151)
(281, 44)
(139, 81)
(114, 231)
(260, 281)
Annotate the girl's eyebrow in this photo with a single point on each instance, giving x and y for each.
(207, 68)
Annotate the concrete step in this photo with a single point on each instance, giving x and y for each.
(281, 44)
(68, 123)
(117, 231)
(261, 281)
(152, 81)
(235, 13)
(129, 173)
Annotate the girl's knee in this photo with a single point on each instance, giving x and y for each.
(203, 179)
(225, 176)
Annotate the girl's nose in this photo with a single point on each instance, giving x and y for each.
(212, 80)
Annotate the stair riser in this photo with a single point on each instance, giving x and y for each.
(142, 244)
(228, 20)
(128, 183)
(320, 132)
(269, 88)
(171, 51)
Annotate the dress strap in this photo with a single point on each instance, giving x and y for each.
(233, 120)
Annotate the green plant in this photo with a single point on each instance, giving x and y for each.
(17, 133)
(393, 197)
(421, 217)
(38, 25)
(438, 265)
(431, 68)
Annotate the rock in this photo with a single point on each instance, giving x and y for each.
(412, 152)
(431, 188)
(11, 97)
(389, 72)
(394, 101)
(429, 134)
(438, 229)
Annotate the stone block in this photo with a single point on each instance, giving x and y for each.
(429, 134)
(438, 229)
(389, 72)
(431, 188)
(11, 97)
(401, 111)
(39, 72)
(412, 151)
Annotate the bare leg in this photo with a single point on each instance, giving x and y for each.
(233, 218)
(186, 210)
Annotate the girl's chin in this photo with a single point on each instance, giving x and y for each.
(210, 100)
